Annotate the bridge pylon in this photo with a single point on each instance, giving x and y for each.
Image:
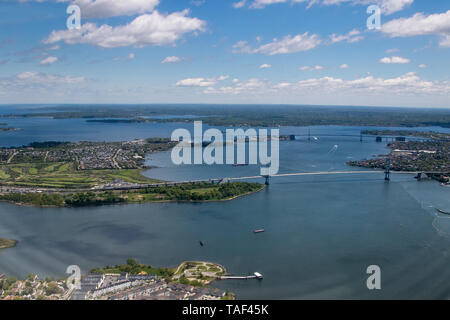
(387, 171)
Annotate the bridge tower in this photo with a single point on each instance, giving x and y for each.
(387, 171)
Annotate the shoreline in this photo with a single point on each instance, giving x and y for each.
(24, 204)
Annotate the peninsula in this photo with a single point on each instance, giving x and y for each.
(95, 173)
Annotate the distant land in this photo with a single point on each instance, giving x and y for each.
(432, 155)
(250, 115)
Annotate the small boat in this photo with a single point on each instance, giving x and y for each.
(240, 165)
(201, 243)
(258, 231)
(258, 275)
(442, 211)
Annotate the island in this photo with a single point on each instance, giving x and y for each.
(6, 243)
(130, 281)
(78, 174)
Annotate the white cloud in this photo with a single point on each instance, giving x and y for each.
(258, 4)
(239, 4)
(387, 6)
(392, 50)
(222, 78)
(394, 60)
(408, 84)
(251, 86)
(392, 6)
(351, 37)
(149, 29)
(172, 59)
(109, 8)
(422, 66)
(420, 24)
(265, 66)
(344, 66)
(445, 42)
(112, 8)
(289, 44)
(32, 79)
(200, 82)
(32, 86)
(307, 68)
(49, 60)
(196, 82)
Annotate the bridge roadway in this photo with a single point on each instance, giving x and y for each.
(216, 180)
(219, 180)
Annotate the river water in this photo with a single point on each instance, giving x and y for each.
(322, 232)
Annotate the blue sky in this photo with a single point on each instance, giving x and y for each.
(214, 51)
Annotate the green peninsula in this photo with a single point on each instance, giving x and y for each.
(76, 174)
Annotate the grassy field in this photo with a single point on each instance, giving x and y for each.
(64, 175)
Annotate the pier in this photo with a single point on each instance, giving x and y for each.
(255, 275)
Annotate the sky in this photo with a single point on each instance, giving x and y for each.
(318, 52)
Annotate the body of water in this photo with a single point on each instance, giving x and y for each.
(322, 232)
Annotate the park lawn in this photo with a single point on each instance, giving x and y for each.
(64, 175)
(4, 175)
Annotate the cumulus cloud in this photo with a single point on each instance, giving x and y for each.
(420, 24)
(200, 82)
(49, 60)
(172, 59)
(109, 8)
(394, 60)
(149, 29)
(239, 4)
(407, 84)
(265, 66)
(422, 66)
(250, 86)
(344, 66)
(288, 44)
(351, 37)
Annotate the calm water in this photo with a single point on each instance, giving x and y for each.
(321, 232)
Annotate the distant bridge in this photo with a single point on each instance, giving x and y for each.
(309, 136)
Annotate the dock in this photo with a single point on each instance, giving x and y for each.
(255, 275)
